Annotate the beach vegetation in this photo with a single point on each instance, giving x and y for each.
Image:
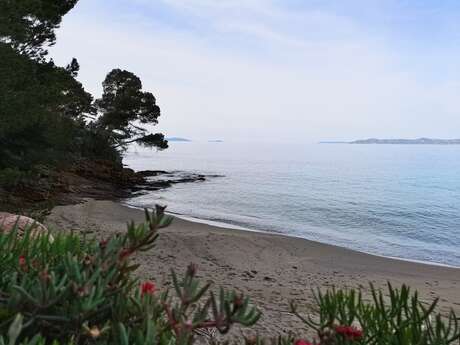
(390, 316)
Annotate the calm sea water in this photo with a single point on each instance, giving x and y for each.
(392, 200)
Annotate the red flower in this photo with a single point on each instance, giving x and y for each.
(22, 260)
(147, 288)
(302, 342)
(349, 332)
(125, 253)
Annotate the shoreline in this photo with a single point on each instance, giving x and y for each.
(271, 269)
(230, 226)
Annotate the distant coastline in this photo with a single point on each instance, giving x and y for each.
(418, 141)
(177, 139)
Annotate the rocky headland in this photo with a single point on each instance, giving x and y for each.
(100, 180)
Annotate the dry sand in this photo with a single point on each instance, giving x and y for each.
(271, 269)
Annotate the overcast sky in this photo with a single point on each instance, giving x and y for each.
(296, 70)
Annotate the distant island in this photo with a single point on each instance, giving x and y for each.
(419, 141)
(215, 141)
(177, 139)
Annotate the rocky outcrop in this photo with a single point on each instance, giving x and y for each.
(88, 179)
(160, 179)
(84, 179)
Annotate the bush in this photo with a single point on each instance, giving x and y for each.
(11, 177)
(399, 317)
(64, 290)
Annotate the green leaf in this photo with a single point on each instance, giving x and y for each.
(15, 329)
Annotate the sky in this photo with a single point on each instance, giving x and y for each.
(279, 70)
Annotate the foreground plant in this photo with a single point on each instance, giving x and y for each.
(74, 291)
(398, 317)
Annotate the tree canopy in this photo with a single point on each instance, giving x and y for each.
(41, 106)
(124, 107)
(46, 116)
(29, 25)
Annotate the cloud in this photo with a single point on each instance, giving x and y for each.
(255, 70)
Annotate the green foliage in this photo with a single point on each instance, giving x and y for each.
(399, 317)
(28, 25)
(11, 177)
(41, 107)
(123, 105)
(79, 291)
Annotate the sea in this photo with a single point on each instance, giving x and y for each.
(400, 201)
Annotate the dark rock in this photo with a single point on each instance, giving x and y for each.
(149, 173)
(103, 180)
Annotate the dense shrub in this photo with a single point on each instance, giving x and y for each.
(66, 290)
(11, 177)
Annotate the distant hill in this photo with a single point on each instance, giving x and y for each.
(419, 141)
(178, 139)
(215, 141)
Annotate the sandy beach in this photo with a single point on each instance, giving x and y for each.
(271, 269)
